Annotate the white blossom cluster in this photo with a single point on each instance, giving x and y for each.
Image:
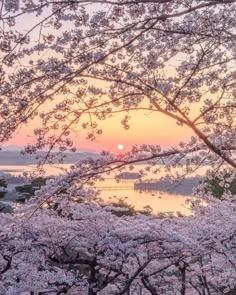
(77, 63)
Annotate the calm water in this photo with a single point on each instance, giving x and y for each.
(111, 191)
(158, 201)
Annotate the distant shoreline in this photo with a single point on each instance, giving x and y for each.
(15, 158)
(184, 187)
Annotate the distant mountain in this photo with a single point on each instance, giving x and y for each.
(10, 158)
(12, 148)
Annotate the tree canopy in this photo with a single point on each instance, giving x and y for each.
(171, 57)
(85, 61)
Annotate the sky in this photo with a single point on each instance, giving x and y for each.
(146, 128)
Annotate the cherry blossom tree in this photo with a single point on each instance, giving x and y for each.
(70, 247)
(170, 57)
(89, 60)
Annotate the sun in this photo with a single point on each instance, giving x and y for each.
(120, 147)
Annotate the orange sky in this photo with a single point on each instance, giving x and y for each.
(148, 128)
(145, 128)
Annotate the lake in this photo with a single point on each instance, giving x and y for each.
(111, 191)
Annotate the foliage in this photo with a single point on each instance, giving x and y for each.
(122, 208)
(218, 186)
(28, 190)
(77, 63)
(3, 183)
(85, 246)
(25, 189)
(38, 182)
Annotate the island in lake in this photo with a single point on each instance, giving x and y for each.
(183, 187)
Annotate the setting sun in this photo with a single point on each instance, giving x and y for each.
(120, 147)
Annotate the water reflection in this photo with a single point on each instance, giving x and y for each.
(160, 202)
